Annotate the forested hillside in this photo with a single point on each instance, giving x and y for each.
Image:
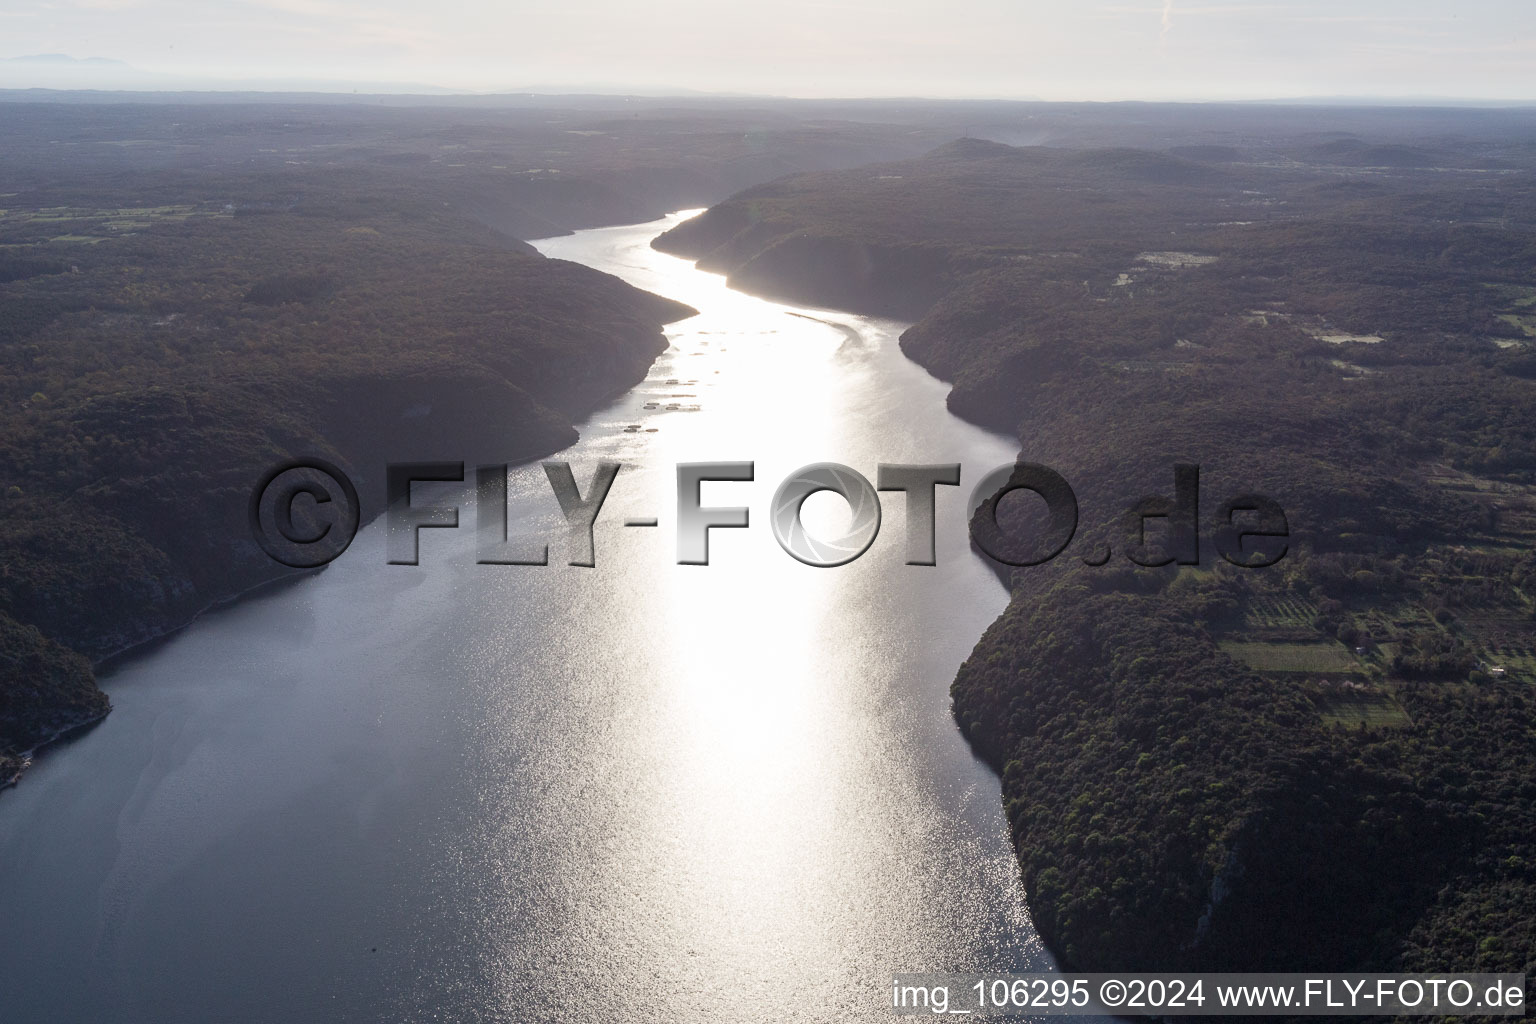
(1328, 762)
(151, 375)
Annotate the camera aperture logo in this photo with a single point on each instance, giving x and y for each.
(305, 513)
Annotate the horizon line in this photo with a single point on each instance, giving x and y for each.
(446, 96)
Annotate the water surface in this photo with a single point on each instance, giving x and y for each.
(636, 792)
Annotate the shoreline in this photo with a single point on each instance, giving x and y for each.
(103, 667)
(64, 732)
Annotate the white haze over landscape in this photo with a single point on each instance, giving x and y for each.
(1129, 49)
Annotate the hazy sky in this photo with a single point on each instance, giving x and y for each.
(1083, 50)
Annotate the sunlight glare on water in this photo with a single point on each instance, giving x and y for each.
(636, 792)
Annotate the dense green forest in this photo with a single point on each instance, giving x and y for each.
(1325, 764)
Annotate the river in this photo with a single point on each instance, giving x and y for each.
(635, 792)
